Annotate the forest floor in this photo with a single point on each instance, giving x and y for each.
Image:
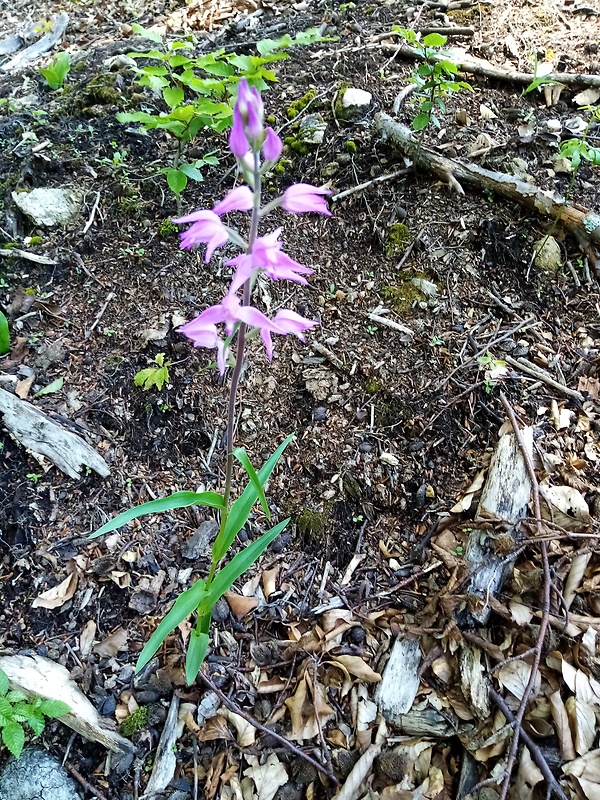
(394, 426)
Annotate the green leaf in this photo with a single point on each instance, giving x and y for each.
(197, 647)
(434, 40)
(57, 70)
(4, 335)
(173, 96)
(448, 67)
(177, 180)
(154, 36)
(55, 386)
(541, 80)
(6, 708)
(240, 509)
(36, 722)
(4, 683)
(242, 457)
(420, 122)
(177, 500)
(13, 737)
(192, 172)
(186, 604)
(54, 708)
(237, 566)
(16, 696)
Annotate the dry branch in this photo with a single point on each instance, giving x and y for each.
(583, 224)
(34, 51)
(479, 66)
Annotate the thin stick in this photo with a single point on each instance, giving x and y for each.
(228, 703)
(530, 369)
(99, 315)
(535, 751)
(544, 622)
(85, 783)
(380, 179)
(90, 221)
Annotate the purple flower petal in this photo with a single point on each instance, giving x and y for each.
(240, 199)
(272, 146)
(302, 197)
(238, 143)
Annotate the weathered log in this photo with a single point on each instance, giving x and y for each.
(583, 224)
(37, 49)
(34, 430)
(504, 497)
(479, 66)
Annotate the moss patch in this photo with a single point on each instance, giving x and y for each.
(300, 104)
(135, 723)
(167, 228)
(398, 239)
(312, 525)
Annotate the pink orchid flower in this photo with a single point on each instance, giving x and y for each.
(302, 197)
(272, 146)
(207, 228)
(284, 322)
(247, 131)
(240, 199)
(267, 255)
(204, 334)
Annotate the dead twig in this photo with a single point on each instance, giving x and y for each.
(232, 706)
(545, 619)
(379, 179)
(85, 783)
(541, 375)
(535, 751)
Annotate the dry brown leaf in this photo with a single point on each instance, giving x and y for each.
(565, 507)
(112, 644)
(22, 388)
(269, 581)
(270, 685)
(122, 579)
(58, 595)
(267, 777)
(586, 770)
(86, 639)
(246, 733)
(561, 722)
(575, 577)
(582, 720)
(528, 777)
(357, 667)
(240, 606)
(589, 385)
(467, 498)
(303, 713)
(351, 788)
(214, 773)
(520, 613)
(514, 676)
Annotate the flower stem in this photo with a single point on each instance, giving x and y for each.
(239, 361)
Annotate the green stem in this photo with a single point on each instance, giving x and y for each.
(239, 360)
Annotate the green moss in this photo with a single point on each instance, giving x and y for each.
(282, 166)
(300, 104)
(35, 239)
(135, 722)
(129, 205)
(373, 386)
(398, 239)
(296, 145)
(312, 525)
(350, 147)
(271, 119)
(167, 228)
(403, 296)
(338, 109)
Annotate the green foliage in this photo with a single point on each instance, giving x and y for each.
(57, 70)
(153, 376)
(18, 710)
(4, 335)
(136, 722)
(538, 80)
(201, 597)
(197, 90)
(434, 77)
(576, 149)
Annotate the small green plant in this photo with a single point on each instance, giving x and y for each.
(197, 91)
(18, 710)
(434, 77)
(494, 368)
(57, 70)
(34, 476)
(539, 80)
(154, 376)
(577, 149)
(4, 335)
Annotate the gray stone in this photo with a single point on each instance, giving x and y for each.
(354, 103)
(312, 129)
(548, 256)
(199, 542)
(49, 207)
(36, 775)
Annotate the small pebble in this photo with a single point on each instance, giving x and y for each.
(319, 414)
(220, 610)
(365, 447)
(278, 546)
(107, 706)
(356, 635)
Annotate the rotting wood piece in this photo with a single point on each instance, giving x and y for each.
(37, 49)
(37, 432)
(504, 497)
(583, 224)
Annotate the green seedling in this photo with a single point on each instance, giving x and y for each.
(18, 710)
(4, 335)
(434, 77)
(154, 376)
(57, 70)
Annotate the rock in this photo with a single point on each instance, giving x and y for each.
(312, 129)
(49, 206)
(199, 542)
(428, 288)
(331, 169)
(353, 103)
(548, 256)
(36, 775)
(562, 165)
